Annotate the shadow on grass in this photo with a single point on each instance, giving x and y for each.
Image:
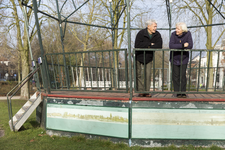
(30, 125)
(34, 124)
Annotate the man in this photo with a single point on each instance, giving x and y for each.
(146, 38)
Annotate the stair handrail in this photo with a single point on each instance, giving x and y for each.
(21, 85)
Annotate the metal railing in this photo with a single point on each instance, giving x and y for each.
(15, 90)
(88, 71)
(199, 70)
(101, 71)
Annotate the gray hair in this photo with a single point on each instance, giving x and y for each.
(150, 22)
(183, 26)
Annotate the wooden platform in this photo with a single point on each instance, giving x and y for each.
(126, 96)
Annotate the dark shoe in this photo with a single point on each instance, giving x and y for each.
(179, 95)
(141, 95)
(148, 95)
(184, 95)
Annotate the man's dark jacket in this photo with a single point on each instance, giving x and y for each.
(143, 41)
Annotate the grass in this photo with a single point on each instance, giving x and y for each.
(32, 137)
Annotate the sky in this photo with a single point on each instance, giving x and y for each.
(157, 11)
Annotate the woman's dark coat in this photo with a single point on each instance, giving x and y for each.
(177, 42)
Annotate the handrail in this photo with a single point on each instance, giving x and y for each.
(87, 51)
(9, 98)
(198, 50)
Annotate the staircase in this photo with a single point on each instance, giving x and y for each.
(24, 113)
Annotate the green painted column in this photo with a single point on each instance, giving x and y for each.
(44, 72)
(130, 69)
(62, 38)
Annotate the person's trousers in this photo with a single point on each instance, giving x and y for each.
(179, 82)
(143, 83)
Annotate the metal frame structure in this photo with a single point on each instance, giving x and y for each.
(113, 24)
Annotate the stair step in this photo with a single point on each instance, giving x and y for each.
(32, 100)
(18, 116)
(25, 108)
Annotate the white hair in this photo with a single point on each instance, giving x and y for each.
(183, 26)
(150, 22)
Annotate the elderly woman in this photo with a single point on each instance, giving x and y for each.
(180, 39)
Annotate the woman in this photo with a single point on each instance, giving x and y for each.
(180, 39)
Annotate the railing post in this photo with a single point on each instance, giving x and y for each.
(130, 69)
(218, 58)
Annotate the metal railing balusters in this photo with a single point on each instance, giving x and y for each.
(153, 71)
(59, 72)
(171, 74)
(103, 65)
(181, 68)
(111, 73)
(96, 68)
(77, 73)
(118, 79)
(89, 63)
(163, 71)
(144, 71)
(217, 70)
(126, 70)
(199, 70)
(82, 57)
(135, 73)
(190, 73)
(208, 72)
(56, 86)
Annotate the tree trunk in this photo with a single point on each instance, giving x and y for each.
(19, 68)
(209, 43)
(25, 69)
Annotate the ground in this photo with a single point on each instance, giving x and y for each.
(1, 133)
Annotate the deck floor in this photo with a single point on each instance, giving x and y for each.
(126, 96)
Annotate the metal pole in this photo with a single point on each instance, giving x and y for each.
(170, 16)
(130, 69)
(62, 38)
(41, 46)
(111, 15)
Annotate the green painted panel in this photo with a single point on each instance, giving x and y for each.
(178, 124)
(105, 121)
(90, 127)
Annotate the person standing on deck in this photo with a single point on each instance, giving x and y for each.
(146, 38)
(180, 39)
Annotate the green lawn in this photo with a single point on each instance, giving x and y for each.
(32, 137)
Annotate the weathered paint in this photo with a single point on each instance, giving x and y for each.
(178, 124)
(107, 121)
(208, 131)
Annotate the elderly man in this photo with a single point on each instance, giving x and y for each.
(146, 38)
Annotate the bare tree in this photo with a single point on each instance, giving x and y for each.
(203, 13)
(14, 21)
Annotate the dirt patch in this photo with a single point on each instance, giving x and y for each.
(2, 133)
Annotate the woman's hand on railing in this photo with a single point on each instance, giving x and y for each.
(186, 44)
